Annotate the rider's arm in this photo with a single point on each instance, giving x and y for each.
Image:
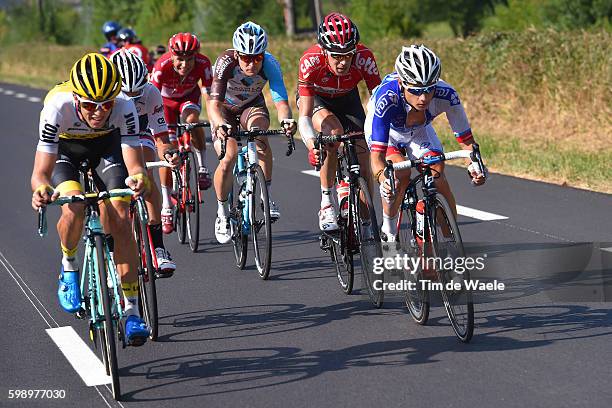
(273, 72)
(157, 122)
(43, 168)
(305, 125)
(124, 117)
(369, 69)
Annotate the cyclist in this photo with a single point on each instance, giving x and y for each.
(328, 99)
(110, 30)
(153, 131)
(85, 119)
(236, 99)
(176, 75)
(400, 112)
(129, 40)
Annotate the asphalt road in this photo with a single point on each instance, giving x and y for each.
(228, 339)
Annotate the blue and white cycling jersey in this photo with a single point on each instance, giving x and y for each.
(387, 110)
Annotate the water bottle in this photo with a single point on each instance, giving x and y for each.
(420, 219)
(342, 189)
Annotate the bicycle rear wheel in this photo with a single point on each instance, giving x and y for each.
(239, 238)
(447, 243)
(147, 300)
(362, 215)
(416, 298)
(261, 224)
(192, 209)
(342, 256)
(109, 319)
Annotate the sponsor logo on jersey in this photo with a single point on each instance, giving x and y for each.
(130, 123)
(308, 63)
(366, 64)
(448, 94)
(387, 100)
(49, 132)
(221, 65)
(158, 109)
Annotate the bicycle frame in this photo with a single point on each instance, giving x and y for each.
(247, 158)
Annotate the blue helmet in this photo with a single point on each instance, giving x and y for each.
(110, 28)
(250, 38)
(127, 34)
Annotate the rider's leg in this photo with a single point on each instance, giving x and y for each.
(391, 210)
(223, 184)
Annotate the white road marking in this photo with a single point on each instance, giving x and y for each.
(40, 308)
(311, 172)
(79, 355)
(479, 215)
(34, 99)
(462, 210)
(21, 95)
(8, 92)
(607, 249)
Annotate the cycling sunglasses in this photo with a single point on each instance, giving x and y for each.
(91, 106)
(420, 91)
(247, 58)
(342, 56)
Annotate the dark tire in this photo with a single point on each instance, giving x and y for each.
(192, 209)
(180, 209)
(447, 243)
(365, 224)
(109, 320)
(239, 238)
(261, 224)
(417, 300)
(342, 256)
(147, 300)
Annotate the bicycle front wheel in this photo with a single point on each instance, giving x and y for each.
(192, 209)
(239, 238)
(147, 299)
(261, 224)
(180, 209)
(342, 256)
(416, 297)
(363, 218)
(109, 320)
(447, 243)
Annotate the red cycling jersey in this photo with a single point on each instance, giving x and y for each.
(172, 85)
(316, 78)
(139, 50)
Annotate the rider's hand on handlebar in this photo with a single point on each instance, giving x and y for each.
(289, 126)
(314, 155)
(139, 183)
(385, 190)
(478, 176)
(222, 131)
(172, 157)
(43, 195)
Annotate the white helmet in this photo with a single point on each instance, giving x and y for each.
(250, 39)
(132, 69)
(418, 66)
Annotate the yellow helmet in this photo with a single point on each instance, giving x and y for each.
(95, 78)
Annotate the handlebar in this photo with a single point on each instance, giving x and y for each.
(474, 155)
(330, 139)
(77, 198)
(189, 126)
(252, 134)
(158, 164)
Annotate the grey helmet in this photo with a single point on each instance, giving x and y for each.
(418, 66)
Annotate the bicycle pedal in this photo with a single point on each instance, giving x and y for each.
(164, 275)
(81, 314)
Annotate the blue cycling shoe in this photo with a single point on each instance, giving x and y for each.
(69, 292)
(136, 331)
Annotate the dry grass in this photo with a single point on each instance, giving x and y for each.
(537, 96)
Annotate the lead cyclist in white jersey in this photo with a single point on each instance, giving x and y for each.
(400, 112)
(153, 130)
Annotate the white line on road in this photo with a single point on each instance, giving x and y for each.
(21, 95)
(462, 210)
(34, 99)
(8, 92)
(479, 215)
(607, 249)
(80, 357)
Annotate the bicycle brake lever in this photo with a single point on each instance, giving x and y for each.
(390, 174)
(42, 221)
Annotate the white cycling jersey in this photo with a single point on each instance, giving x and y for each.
(150, 109)
(59, 119)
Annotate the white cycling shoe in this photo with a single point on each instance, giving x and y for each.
(223, 230)
(327, 219)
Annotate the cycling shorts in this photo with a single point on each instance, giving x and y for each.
(239, 116)
(105, 149)
(347, 108)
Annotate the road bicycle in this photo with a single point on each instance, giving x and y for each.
(428, 229)
(185, 185)
(249, 201)
(101, 298)
(357, 228)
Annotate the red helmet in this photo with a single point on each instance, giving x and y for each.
(337, 33)
(183, 44)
